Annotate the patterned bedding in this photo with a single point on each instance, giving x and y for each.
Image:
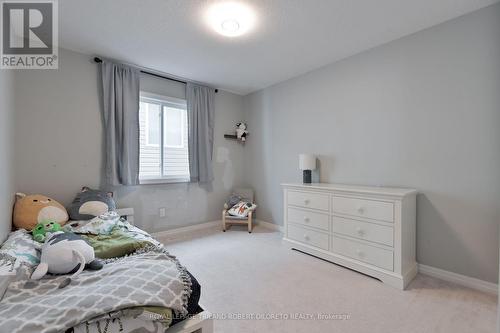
(141, 287)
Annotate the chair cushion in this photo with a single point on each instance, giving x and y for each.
(241, 209)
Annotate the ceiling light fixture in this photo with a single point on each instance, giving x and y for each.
(230, 19)
(230, 26)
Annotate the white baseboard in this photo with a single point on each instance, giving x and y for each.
(180, 233)
(269, 225)
(462, 280)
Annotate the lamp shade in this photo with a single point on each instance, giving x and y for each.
(307, 162)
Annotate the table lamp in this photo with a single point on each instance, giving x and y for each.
(307, 163)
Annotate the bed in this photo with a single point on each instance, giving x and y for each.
(140, 288)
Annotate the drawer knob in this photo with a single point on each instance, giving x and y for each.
(360, 231)
(306, 202)
(306, 219)
(361, 210)
(306, 237)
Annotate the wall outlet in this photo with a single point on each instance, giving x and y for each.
(162, 212)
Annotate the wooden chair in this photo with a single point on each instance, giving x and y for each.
(227, 219)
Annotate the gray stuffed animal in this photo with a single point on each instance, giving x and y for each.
(233, 200)
(90, 203)
(64, 253)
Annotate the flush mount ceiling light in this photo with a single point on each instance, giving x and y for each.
(230, 26)
(230, 19)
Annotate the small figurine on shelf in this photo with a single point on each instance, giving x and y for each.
(241, 131)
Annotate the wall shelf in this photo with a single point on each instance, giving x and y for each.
(234, 137)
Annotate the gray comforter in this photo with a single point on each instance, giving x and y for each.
(150, 277)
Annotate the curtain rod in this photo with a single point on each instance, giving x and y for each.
(99, 60)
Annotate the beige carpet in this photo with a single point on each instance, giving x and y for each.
(254, 274)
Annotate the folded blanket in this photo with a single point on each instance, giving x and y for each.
(148, 277)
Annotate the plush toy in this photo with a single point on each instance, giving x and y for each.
(42, 229)
(29, 210)
(232, 200)
(63, 253)
(241, 131)
(90, 203)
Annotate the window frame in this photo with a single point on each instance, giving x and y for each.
(163, 101)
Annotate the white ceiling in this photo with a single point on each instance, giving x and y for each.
(291, 36)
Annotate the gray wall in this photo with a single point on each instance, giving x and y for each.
(58, 136)
(423, 112)
(6, 151)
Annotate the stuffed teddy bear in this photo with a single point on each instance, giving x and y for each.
(63, 253)
(90, 203)
(241, 131)
(29, 210)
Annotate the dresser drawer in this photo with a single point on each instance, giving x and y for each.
(305, 217)
(309, 200)
(309, 237)
(372, 209)
(364, 230)
(363, 252)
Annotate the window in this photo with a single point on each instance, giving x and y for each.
(163, 139)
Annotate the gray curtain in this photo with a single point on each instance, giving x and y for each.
(120, 91)
(201, 112)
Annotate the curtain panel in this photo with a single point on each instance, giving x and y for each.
(201, 113)
(120, 93)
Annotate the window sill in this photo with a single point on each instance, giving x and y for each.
(163, 181)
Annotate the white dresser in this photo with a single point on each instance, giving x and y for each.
(368, 229)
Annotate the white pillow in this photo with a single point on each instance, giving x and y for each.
(242, 208)
(19, 255)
